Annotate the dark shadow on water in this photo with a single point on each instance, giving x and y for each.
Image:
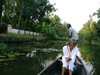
(21, 66)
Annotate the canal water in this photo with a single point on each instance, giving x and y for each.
(39, 56)
(35, 60)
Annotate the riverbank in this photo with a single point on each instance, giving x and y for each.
(26, 37)
(13, 45)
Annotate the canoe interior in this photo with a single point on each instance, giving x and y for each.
(56, 68)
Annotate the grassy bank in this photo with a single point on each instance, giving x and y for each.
(13, 36)
(12, 45)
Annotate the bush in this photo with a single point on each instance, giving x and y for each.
(48, 30)
(3, 49)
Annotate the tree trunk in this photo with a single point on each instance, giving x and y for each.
(20, 20)
(1, 3)
(24, 26)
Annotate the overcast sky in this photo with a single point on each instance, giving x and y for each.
(76, 12)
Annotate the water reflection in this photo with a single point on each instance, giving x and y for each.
(46, 63)
(88, 66)
(29, 64)
(21, 66)
(91, 54)
(39, 58)
(31, 54)
(46, 56)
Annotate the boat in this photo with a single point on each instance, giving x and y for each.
(56, 67)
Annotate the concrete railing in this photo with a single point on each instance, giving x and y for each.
(12, 30)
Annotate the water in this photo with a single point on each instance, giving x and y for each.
(37, 59)
(29, 64)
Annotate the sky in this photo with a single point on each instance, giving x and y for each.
(76, 12)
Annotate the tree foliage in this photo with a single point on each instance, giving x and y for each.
(24, 13)
(61, 28)
(48, 30)
(88, 32)
(33, 15)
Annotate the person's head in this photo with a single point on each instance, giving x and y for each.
(68, 25)
(72, 42)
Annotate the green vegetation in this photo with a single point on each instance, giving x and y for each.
(33, 15)
(90, 42)
(25, 14)
(13, 45)
(36, 16)
(13, 35)
(7, 53)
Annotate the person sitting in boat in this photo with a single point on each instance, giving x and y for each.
(69, 55)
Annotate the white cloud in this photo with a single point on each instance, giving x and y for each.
(75, 12)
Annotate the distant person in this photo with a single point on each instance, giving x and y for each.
(72, 33)
(69, 55)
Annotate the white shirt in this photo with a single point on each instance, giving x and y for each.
(72, 54)
(73, 34)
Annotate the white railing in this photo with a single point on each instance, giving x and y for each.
(12, 30)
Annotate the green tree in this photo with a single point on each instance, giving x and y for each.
(48, 30)
(61, 28)
(23, 14)
(88, 32)
(98, 29)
